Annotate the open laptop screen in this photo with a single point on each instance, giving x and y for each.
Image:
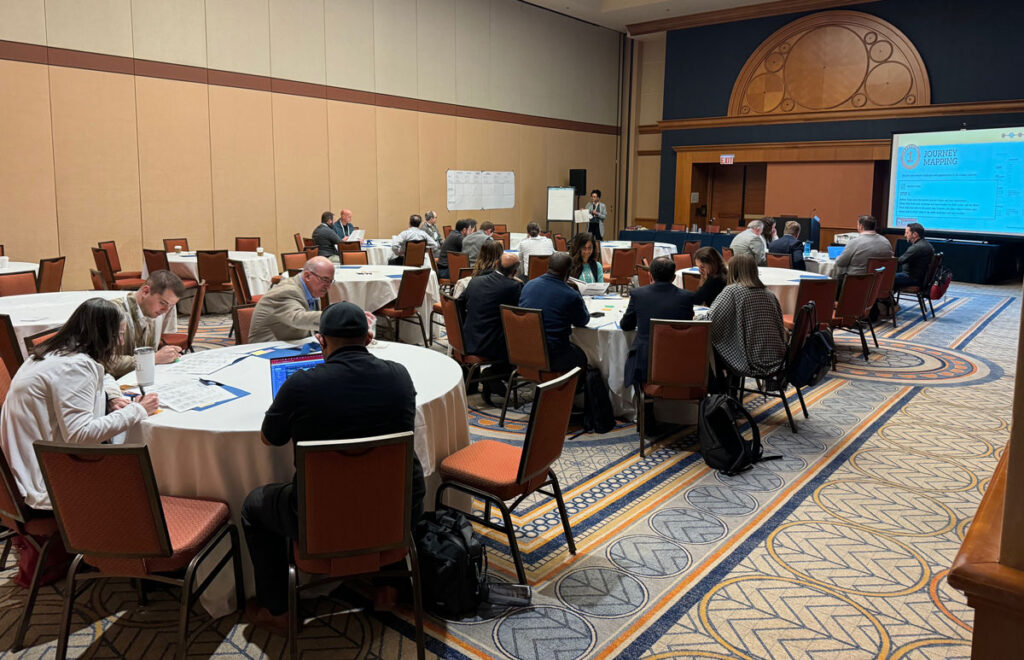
(282, 368)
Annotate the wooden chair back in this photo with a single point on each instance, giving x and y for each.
(171, 243)
(525, 339)
(348, 246)
(778, 261)
(644, 250)
(538, 265)
(677, 363)
(689, 247)
(549, 420)
(213, 268)
(242, 316)
(682, 261)
(357, 258)
(155, 260)
(51, 275)
(247, 243)
(726, 254)
(413, 288)
(97, 280)
(415, 252)
(111, 248)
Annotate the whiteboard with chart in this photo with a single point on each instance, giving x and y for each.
(470, 190)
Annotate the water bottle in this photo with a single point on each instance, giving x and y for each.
(807, 250)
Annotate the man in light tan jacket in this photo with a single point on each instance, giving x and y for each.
(291, 310)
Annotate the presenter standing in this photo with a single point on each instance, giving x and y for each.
(598, 212)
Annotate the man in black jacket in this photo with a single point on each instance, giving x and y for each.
(915, 261)
(789, 243)
(482, 331)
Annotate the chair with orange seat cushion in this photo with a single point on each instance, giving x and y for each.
(309, 243)
(293, 262)
(776, 384)
(97, 280)
(214, 269)
(456, 262)
(691, 282)
(51, 274)
(446, 229)
(726, 254)
(171, 243)
(354, 258)
(502, 238)
(157, 260)
(644, 250)
(682, 261)
(36, 528)
(527, 350)
(538, 265)
(500, 229)
(115, 262)
(145, 536)
(184, 340)
(406, 306)
(890, 266)
(496, 472)
(471, 364)
(415, 253)
(643, 273)
(689, 247)
(849, 309)
(623, 268)
(18, 284)
(247, 243)
(924, 292)
(102, 259)
(778, 261)
(373, 478)
(240, 283)
(822, 292)
(677, 367)
(241, 317)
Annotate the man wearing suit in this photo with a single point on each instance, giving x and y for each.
(291, 310)
(483, 332)
(749, 241)
(867, 245)
(790, 244)
(660, 300)
(915, 262)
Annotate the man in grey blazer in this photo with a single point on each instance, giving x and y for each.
(749, 241)
(867, 245)
(291, 310)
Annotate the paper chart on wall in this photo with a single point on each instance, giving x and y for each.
(469, 190)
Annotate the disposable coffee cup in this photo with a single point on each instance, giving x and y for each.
(145, 365)
(177, 248)
(259, 251)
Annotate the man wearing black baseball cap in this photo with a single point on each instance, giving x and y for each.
(353, 394)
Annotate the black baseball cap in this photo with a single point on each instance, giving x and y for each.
(343, 319)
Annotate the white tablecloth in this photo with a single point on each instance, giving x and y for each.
(821, 266)
(258, 269)
(660, 250)
(37, 312)
(19, 267)
(378, 251)
(783, 282)
(218, 454)
(372, 287)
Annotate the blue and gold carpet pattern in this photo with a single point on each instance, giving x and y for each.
(840, 548)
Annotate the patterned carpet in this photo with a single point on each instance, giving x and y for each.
(839, 549)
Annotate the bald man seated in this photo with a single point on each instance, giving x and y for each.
(291, 310)
(482, 330)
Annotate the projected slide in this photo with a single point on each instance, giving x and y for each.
(963, 181)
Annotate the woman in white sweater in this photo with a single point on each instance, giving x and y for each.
(57, 395)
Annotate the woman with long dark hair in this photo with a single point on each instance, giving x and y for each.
(586, 260)
(713, 272)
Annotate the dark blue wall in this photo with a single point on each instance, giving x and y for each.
(973, 50)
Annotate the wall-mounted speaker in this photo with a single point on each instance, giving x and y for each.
(578, 180)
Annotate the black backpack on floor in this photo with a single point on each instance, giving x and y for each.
(721, 444)
(453, 564)
(598, 416)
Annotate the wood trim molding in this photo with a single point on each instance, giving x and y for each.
(936, 110)
(648, 152)
(745, 13)
(648, 129)
(76, 59)
(740, 148)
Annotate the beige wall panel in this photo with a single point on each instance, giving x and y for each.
(174, 162)
(98, 26)
(350, 43)
(297, 40)
(170, 31)
(531, 176)
(238, 36)
(300, 164)
(398, 193)
(242, 164)
(533, 50)
(96, 168)
(599, 151)
(492, 146)
(507, 27)
(646, 187)
(560, 157)
(648, 141)
(558, 73)
(394, 47)
(472, 53)
(602, 76)
(28, 213)
(435, 36)
(352, 129)
(437, 137)
(652, 80)
(23, 20)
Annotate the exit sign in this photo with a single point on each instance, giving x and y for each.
(726, 159)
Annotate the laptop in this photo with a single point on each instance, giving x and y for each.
(283, 367)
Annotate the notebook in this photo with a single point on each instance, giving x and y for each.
(283, 367)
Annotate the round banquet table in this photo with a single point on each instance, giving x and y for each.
(660, 250)
(378, 251)
(36, 312)
(783, 282)
(218, 453)
(607, 345)
(372, 287)
(821, 266)
(258, 268)
(19, 267)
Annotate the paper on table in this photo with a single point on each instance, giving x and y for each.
(203, 363)
(595, 289)
(182, 395)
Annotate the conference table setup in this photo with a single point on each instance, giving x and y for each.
(37, 312)
(259, 268)
(820, 264)
(660, 250)
(8, 267)
(206, 443)
(783, 282)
